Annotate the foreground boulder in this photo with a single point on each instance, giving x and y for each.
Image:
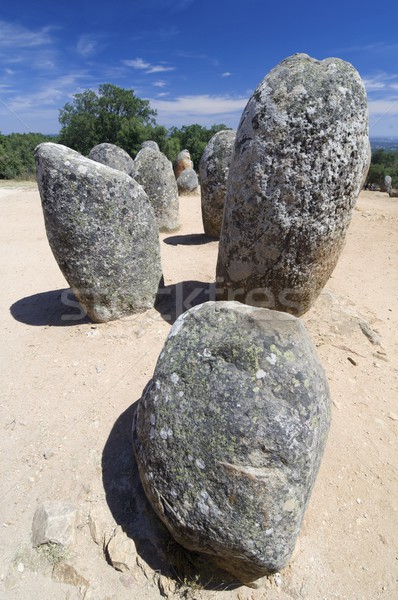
(113, 156)
(154, 172)
(299, 159)
(102, 230)
(230, 432)
(187, 183)
(213, 175)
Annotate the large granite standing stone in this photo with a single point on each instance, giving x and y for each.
(298, 163)
(230, 432)
(154, 172)
(113, 156)
(102, 230)
(213, 175)
(188, 182)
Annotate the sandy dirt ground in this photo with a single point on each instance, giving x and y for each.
(68, 389)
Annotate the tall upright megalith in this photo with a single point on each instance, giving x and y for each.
(154, 172)
(299, 159)
(213, 175)
(102, 231)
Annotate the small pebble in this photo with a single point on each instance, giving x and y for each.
(20, 568)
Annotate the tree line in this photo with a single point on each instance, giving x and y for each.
(117, 116)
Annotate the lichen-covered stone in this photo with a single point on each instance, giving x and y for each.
(187, 183)
(150, 144)
(102, 230)
(213, 175)
(154, 172)
(298, 163)
(113, 156)
(182, 162)
(387, 184)
(230, 432)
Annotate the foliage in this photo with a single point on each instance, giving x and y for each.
(115, 115)
(195, 139)
(383, 163)
(17, 159)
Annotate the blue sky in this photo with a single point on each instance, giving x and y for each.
(197, 61)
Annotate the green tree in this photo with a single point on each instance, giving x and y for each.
(195, 139)
(115, 115)
(17, 154)
(384, 162)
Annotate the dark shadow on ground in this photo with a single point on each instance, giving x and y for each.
(192, 239)
(58, 308)
(132, 511)
(173, 300)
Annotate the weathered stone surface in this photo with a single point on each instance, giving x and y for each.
(54, 522)
(66, 573)
(187, 183)
(102, 230)
(387, 184)
(213, 175)
(393, 193)
(298, 163)
(182, 162)
(230, 432)
(113, 156)
(155, 173)
(150, 144)
(122, 551)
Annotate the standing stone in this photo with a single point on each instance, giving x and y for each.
(299, 159)
(187, 183)
(155, 173)
(102, 230)
(113, 156)
(150, 144)
(230, 432)
(213, 175)
(182, 162)
(387, 184)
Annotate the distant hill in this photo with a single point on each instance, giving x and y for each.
(386, 143)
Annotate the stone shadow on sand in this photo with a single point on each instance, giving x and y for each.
(56, 308)
(131, 510)
(192, 239)
(173, 300)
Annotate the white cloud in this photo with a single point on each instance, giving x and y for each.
(162, 94)
(203, 109)
(160, 84)
(159, 69)
(17, 36)
(86, 46)
(383, 107)
(226, 74)
(139, 63)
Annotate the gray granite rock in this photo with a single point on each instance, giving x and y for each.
(150, 144)
(155, 173)
(213, 175)
(102, 230)
(182, 162)
(187, 183)
(54, 522)
(299, 159)
(230, 432)
(387, 184)
(113, 156)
